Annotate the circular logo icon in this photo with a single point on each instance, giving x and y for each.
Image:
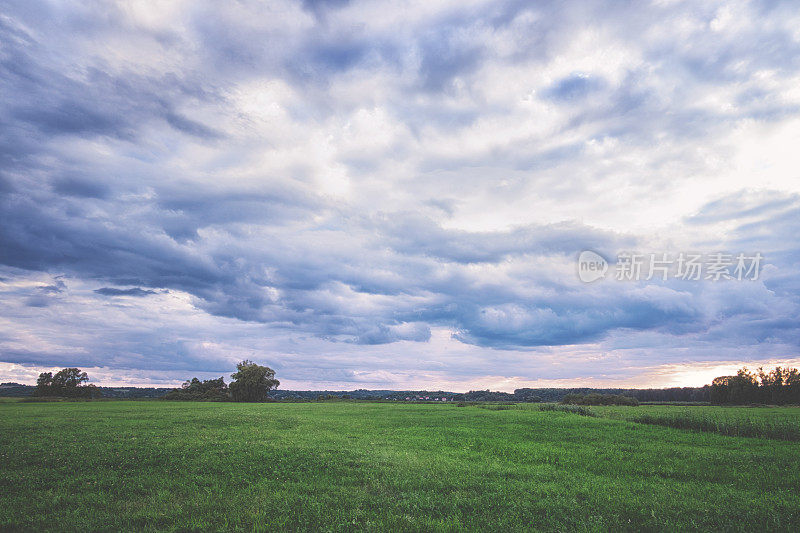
(591, 266)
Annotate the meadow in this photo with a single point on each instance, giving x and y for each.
(348, 466)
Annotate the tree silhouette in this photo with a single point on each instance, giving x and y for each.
(252, 382)
(67, 382)
(780, 386)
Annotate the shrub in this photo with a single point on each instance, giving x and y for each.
(196, 390)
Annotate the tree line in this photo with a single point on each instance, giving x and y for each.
(672, 394)
(251, 383)
(599, 399)
(780, 386)
(530, 395)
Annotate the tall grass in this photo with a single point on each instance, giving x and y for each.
(574, 409)
(770, 429)
(497, 406)
(770, 423)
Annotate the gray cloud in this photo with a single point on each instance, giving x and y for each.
(134, 291)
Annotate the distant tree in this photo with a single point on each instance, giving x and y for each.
(68, 382)
(720, 389)
(744, 387)
(252, 382)
(780, 386)
(486, 396)
(89, 391)
(526, 395)
(194, 389)
(739, 389)
(44, 385)
(69, 378)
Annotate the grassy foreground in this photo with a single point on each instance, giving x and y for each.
(386, 467)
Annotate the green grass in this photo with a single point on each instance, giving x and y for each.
(140, 466)
(781, 423)
(9, 399)
(574, 409)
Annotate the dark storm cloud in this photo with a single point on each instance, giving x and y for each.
(411, 234)
(575, 87)
(133, 291)
(315, 5)
(187, 125)
(49, 99)
(74, 186)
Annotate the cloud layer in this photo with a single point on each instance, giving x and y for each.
(366, 195)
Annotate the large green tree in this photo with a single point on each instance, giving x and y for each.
(252, 382)
(67, 382)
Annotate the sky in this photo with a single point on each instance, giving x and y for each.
(394, 195)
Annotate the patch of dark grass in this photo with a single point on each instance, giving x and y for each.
(49, 399)
(742, 427)
(497, 406)
(574, 409)
(778, 423)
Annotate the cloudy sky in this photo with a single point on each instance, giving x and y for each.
(394, 194)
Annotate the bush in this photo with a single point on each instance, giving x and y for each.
(196, 390)
(251, 383)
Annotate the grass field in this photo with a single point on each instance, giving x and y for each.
(385, 467)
